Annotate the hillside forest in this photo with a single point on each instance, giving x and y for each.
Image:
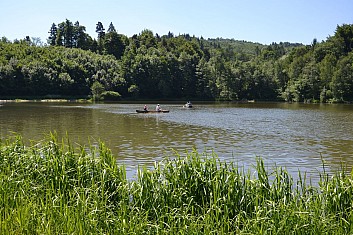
(171, 67)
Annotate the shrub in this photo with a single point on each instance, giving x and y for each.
(110, 96)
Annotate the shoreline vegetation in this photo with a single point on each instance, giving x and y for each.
(121, 101)
(2, 101)
(42, 100)
(52, 187)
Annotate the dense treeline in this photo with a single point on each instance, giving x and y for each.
(148, 66)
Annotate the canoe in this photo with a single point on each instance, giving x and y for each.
(152, 111)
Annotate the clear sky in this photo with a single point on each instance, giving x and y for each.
(263, 21)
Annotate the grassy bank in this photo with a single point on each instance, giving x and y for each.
(52, 188)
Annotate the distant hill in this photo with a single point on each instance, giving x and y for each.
(242, 46)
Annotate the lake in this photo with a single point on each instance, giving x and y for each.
(295, 136)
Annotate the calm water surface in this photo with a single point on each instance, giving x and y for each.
(294, 136)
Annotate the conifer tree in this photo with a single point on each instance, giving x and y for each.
(52, 35)
(100, 30)
(111, 28)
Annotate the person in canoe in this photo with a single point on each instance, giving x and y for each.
(145, 108)
(158, 108)
(188, 105)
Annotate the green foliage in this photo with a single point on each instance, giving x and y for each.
(342, 81)
(113, 44)
(134, 90)
(177, 67)
(50, 186)
(39, 71)
(54, 186)
(110, 96)
(344, 34)
(97, 90)
(69, 35)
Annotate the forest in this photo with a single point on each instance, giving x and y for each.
(171, 67)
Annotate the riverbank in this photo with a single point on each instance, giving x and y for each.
(50, 187)
(43, 100)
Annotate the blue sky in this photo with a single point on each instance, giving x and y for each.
(263, 21)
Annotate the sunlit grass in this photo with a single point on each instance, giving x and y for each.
(51, 187)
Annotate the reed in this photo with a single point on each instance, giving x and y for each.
(50, 187)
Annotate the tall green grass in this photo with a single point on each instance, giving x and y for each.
(50, 187)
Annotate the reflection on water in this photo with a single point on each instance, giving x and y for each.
(295, 136)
